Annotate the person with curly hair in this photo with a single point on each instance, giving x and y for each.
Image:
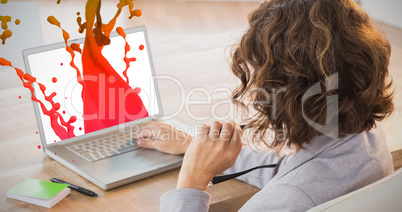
(317, 75)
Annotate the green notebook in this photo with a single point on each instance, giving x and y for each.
(39, 192)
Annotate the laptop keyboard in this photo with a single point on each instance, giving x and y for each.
(104, 147)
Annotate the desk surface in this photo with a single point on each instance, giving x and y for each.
(188, 41)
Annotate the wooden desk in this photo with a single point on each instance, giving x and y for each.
(188, 40)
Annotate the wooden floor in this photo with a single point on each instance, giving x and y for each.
(188, 42)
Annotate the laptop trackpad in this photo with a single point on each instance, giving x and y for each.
(129, 164)
(151, 157)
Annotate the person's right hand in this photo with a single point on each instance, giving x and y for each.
(214, 150)
(163, 137)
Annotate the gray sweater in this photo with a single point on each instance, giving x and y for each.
(327, 168)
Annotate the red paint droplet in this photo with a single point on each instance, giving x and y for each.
(137, 90)
(19, 97)
(64, 112)
(37, 132)
(141, 47)
(54, 79)
(61, 64)
(54, 153)
(80, 128)
(65, 97)
(54, 141)
(73, 160)
(39, 146)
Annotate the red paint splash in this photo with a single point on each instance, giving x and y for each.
(62, 128)
(54, 79)
(64, 112)
(141, 47)
(99, 97)
(80, 128)
(73, 160)
(137, 90)
(61, 64)
(19, 97)
(70, 49)
(39, 146)
(96, 100)
(54, 153)
(37, 133)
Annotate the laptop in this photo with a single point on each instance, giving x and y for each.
(105, 154)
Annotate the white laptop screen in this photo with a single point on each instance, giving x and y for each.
(94, 109)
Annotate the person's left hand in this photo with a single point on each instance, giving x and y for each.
(214, 150)
(163, 137)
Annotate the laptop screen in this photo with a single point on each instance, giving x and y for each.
(102, 98)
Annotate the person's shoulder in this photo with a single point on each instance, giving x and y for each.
(370, 143)
(358, 160)
(279, 197)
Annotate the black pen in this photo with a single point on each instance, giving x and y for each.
(74, 187)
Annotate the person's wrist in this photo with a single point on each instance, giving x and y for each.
(186, 144)
(189, 180)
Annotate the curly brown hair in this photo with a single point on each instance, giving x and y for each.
(292, 45)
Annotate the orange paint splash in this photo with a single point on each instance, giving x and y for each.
(4, 20)
(76, 47)
(121, 32)
(102, 31)
(136, 13)
(6, 33)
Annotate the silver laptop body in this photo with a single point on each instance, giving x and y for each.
(111, 171)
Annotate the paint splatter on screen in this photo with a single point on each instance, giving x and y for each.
(94, 64)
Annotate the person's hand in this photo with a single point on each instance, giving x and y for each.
(163, 137)
(214, 150)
